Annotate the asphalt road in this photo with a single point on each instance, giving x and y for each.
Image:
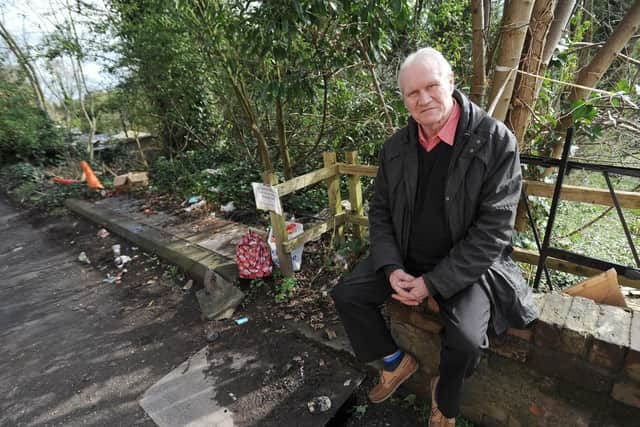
(73, 350)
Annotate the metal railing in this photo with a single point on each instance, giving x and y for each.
(547, 256)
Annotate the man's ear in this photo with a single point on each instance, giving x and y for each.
(451, 83)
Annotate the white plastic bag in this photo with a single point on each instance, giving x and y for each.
(294, 229)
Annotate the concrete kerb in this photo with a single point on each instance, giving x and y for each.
(215, 272)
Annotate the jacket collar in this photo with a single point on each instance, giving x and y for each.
(470, 117)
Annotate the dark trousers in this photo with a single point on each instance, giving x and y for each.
(465, 317)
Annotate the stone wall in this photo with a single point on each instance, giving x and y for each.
(578, 365)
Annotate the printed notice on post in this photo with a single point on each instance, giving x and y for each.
(267, 197)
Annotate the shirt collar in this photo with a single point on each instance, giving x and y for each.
(446, 134)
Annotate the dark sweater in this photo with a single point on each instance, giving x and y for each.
(430, 240)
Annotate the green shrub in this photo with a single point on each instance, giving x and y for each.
(26, 133)
(207, 174)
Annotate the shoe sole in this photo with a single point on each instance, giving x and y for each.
(415, 369)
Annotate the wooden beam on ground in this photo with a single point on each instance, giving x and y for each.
(306, 180)
(573, 193)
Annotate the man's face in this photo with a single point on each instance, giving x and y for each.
(427, 92)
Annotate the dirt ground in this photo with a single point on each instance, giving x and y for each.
(158, 305)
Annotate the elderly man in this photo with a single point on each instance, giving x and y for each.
(440, 223)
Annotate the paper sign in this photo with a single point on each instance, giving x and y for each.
(267, 197)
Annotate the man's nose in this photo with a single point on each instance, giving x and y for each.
(424, 97)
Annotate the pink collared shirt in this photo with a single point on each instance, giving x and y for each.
(446, 134)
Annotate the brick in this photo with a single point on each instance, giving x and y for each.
(627, 392)
(415, 317)
(515, 422)
(523, 334)
(509, 346)
(579, 326)
(611, 337)
(632, 363)
(554, 411)
(548, 329)
(574, 370)
(539, 299)
(495, 414)
(424, 346)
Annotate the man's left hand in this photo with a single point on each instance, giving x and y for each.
(418, 290)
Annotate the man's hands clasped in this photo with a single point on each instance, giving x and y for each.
(409, 290)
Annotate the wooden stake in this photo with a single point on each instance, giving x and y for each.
(279, 227)
(355, 194)
(333, 190)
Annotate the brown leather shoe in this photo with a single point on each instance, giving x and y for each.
(437, 419)
(391, 380)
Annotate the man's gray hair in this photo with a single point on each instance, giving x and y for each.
(426, 55)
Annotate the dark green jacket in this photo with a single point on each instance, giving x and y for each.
(481, 196)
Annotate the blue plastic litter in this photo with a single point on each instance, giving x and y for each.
(193, 199)
(242, 320)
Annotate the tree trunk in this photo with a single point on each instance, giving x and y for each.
(513, 30)
(520, 117)
(525, 90)
(561, 16)
(590, 75)
(584, 55)
(479, 79)
(282, 140)
(27, 67)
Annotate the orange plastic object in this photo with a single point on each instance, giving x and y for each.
(92, 180)
(64, 181)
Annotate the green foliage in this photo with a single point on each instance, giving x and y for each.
(173, 271)
(26, 133)
(360, 410)
(285, 289)
(311, 200)
(222, 62)
(207, 174)
(257, 283)
(27, 184)
(23, 172)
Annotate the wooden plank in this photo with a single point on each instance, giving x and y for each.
(355, 194)
(531, 257)
(362, 170)
(306, 180)
(627, 199)
(602, 288)
(573, 193)
(314, 232)
(279, 227)
(333, 191)
(358, 219)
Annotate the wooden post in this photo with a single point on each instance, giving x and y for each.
(333, 190)
(355, 194)
(279, 227)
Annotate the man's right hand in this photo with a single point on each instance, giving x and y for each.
(400, 282)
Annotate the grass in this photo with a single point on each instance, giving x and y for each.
(587, 229)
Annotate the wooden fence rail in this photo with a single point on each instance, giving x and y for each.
(330, 175)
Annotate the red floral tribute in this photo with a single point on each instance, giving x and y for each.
(253, 257)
